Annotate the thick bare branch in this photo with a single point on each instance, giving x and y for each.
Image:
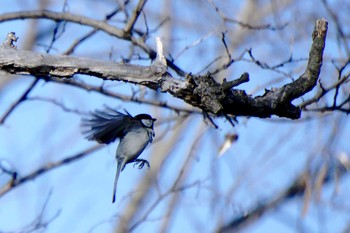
(211, 97)
(39, 64)
(199, 91)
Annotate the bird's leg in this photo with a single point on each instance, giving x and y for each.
(141, 163)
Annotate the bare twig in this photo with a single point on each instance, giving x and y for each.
(338, 24)
(230, 84)
(21, 99)
(229, 60)
(39, 223)
(323, 91)
(71, 49)
(55, 102)
(122, 97)
(274, 68)
(243, 24)
(46, 168)
(134, 16)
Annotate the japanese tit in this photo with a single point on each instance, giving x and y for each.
(135, 133)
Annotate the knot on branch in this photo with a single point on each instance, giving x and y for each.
(206, 92)
(227, 85)
(9, 41)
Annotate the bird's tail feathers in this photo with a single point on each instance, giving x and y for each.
(120, 166)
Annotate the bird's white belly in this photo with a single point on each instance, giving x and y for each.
(133, 144)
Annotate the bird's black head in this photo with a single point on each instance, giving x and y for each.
(146, 120)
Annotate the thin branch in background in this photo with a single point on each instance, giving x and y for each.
(290, 60)
(160, 24)
(144, 33)
(222, 67)
(336, 93)
(194, 44)
(71, 49)
(105, 92)
(76, 43)
(346, 227)
(243, 24)
(323, 91)
(7, 168)
(146, 25)
(56, 103)
(134, 16)
(263, 65)
(346, 101)
(223, 39)
(339, 83)
(39, 224)
(256, 27)
(150, 31)
(123, 8)
(229, 61)
(20, 100)
(59, 29)
(206, 67)
(176, 188)
(48, 167)
(57, 33)
(239, 58)
(340, 31)
(274, 68)
(331, 109)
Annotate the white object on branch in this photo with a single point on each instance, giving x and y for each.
(160, 59)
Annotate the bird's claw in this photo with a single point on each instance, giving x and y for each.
(141, 163)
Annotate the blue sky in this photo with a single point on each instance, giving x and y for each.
(266, 158)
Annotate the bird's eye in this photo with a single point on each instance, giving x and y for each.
(147, 122)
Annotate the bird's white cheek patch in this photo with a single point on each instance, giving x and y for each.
(147, 122)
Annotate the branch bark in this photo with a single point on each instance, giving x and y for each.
(39, 64)
(199, 91)
(97, 24)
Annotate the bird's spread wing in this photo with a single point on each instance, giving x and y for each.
(105, 126)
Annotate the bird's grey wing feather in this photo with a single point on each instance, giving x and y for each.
(105, 126)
